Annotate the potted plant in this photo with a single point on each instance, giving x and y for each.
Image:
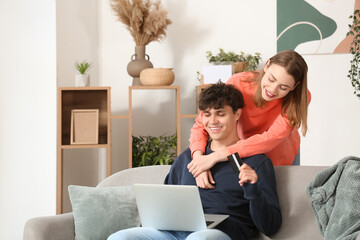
(82, 79)
(354, 72)
(150, 150)
(241, 62)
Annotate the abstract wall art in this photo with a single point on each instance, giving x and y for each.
(314, 26)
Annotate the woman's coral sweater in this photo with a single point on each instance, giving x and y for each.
(261, 130)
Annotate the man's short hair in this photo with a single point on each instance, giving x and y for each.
(220, 94)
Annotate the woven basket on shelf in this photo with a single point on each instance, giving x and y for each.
(239, 66)
(157, 77)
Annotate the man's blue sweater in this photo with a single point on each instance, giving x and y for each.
(251, 207)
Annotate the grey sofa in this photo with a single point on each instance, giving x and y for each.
(298, 218)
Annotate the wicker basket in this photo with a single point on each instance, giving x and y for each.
(239, 66)
(157, 77)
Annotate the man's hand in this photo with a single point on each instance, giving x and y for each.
(247, 175)
(205, 180)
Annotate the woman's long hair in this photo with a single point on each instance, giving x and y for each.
(295, 103)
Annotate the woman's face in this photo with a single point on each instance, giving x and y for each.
(276, 82)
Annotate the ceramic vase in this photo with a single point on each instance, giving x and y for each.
(82, 80)
(139, 61)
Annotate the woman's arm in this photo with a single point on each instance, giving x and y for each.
(198, 136)
(201, 163)
(256, 144)
(265, 142)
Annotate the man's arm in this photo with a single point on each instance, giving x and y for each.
(179, 174)
(260, 189)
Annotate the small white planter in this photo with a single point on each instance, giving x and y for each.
(82, 80)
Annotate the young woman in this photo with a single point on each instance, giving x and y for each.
(276, 103)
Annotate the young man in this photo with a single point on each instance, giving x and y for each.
(250, 198)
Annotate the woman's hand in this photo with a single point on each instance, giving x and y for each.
(247, 175)
(199, 164)
(205, 180)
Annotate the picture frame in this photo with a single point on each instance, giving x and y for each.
(84, 126)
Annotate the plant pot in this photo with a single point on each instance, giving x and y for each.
(82, 80)
(157, 77)
(138, 63)
(239, 66)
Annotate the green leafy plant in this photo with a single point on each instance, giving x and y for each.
(230, 57)
(354, 72)
(253, 61)
(149, 150)
(82, 67)
(198, 76)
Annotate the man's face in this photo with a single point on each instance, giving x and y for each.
(221, 123)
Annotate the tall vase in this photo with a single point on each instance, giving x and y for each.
(137, 64)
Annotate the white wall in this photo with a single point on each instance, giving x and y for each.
(334, 112)
(27, 113)
(77, 40)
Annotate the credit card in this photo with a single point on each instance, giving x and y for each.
(235, 162)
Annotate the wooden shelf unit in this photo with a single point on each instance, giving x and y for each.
(178, 122)
(81, 98)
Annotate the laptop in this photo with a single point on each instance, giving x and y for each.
(173, 207)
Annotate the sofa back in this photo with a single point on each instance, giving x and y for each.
(298, 219)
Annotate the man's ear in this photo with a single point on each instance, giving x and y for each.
(238, 114)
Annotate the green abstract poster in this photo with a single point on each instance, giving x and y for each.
(313, 26)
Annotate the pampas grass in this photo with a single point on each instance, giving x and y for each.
(146, 20)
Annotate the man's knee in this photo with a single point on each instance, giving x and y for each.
(208, 234)
(129, 233)
(118, 235)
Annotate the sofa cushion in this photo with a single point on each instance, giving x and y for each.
(99, 212)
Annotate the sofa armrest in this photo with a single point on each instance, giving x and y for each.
(59, 227)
